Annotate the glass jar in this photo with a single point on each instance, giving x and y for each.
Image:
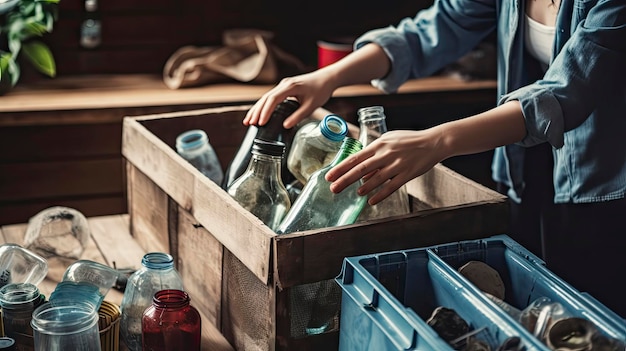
(18, 301)
(260, 189)
(157, 273)
(193, 145)
(315, 145)
(66, 327)
(19, 265)
(371, 126)
(171, 323)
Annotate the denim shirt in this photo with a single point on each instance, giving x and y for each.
(578, 105)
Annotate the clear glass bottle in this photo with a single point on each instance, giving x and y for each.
(371, 126)
(273, 130)
(315, 145)
(171, 323)
(317, 206)
(157, 273)
(260, 189)
(316, 306)
(193, 145)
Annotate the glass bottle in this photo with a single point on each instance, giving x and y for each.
(193, 145)
(18, 301)
(170, 323)
(317, 206)
(371, 126)
(273, 130)
(260, 189)
(157, 273)
(315, 145)
(317, 303)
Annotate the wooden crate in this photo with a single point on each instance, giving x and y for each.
(236, 269)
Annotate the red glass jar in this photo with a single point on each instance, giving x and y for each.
(171, 323)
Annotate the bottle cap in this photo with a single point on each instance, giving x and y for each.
(334, 127)
(267, 147)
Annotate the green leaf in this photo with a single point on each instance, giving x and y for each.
(5, 57)
(33, 29)
(41, 57)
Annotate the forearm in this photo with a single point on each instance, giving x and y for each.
(360, 67)
(500, 126)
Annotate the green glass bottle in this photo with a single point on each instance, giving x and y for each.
(317, 206)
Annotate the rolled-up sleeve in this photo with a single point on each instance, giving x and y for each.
(437, 36)
(587, 73)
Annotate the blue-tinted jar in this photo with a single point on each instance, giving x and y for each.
(157, 273)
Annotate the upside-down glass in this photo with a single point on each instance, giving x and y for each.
(19, 265)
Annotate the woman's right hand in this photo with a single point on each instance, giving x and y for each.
(312, 90)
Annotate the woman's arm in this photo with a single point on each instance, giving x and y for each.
(399, 156)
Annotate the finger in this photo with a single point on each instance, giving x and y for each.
(252, 116)
(350, 170)
(383, 188)
(298, 115)
(269, 105)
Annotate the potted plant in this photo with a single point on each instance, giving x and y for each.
(22, 24)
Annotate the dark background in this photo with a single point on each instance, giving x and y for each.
(139, 35)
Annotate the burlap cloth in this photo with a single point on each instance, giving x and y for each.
(247, 56)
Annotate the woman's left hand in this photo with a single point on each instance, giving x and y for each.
(389, 162)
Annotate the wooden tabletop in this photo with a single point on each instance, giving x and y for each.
(136, 90)
(110, 244)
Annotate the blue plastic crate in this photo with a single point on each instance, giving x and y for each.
(387, 297)
(526, 279)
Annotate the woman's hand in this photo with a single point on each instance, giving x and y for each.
(389, 162)
(399, 156)
(312, 90)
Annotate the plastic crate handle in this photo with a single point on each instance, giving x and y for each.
(389, 315)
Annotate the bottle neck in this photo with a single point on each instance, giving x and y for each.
(266, 165)
(371, 123)
(158, 261)
(348, 147)
(192, 140)
(274, 129)
(171, 299)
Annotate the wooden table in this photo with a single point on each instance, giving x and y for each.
(110, 244)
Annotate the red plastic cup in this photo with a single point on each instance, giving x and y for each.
(331, 52)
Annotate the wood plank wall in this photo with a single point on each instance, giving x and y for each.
(139, 36)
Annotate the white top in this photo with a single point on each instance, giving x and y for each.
(539, 39)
